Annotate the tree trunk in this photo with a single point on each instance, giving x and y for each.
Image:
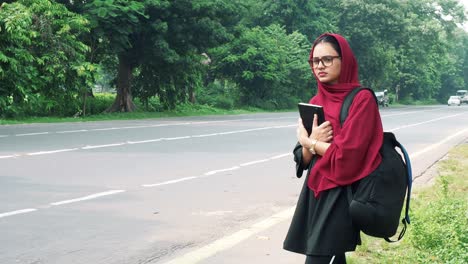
(192, 94)
(123, 102)
(397, 91)
(85, 95)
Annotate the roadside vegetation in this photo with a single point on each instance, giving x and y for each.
(152, 109)
(159, 55)
(439, 221)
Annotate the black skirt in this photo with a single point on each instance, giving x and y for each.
(322, 225)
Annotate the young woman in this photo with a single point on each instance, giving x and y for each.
(335, 156)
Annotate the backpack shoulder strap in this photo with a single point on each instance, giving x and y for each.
(409, 174)
(349, 100)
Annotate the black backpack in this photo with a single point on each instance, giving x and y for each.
(376, 201)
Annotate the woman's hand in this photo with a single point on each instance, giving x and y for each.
(323, 133)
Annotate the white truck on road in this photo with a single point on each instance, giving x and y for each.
(463, 94)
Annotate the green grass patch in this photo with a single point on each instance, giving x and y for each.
(180, 110)
(438, 232)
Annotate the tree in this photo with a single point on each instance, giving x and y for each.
(268, 64)
(173, 59)
(42, 62)
(401, 45)
(306, 17)
(153, 41)
(120, 24)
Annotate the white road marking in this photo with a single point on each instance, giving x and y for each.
(50, 152)
(213, 172)
(23, 211)
(433, 146)
(89, 197)
(97, 195)
(104, 129)
(186, 123)
(409, 112)
(132, 127)
(232, 240)
(32, 134)
(295, 125)
(183, 137)
(281, 156)
(7, 157)
(149, 141)
(169, 182)
(222, 170)
(243, 119)
(206, 135)
(146, 126)
(425, 122)
(171, 124)
(103, 146)
(144, 141)
(254, 162)
(176, 138)
(71, 131)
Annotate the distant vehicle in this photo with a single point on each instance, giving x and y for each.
(382, 98)
(454, 100)
(463, 94)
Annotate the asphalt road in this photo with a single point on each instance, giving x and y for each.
(176, 190)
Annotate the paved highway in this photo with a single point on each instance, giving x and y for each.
(176, 190)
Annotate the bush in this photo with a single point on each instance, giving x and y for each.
(220, 94)
(99, 103)
(153, 104)
(36, 105)
(439, 229)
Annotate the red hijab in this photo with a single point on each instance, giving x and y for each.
(354, 151)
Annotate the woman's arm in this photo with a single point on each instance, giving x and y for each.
(318, 141)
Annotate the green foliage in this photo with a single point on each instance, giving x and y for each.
(42, 62)
(306, 17)
(106, 15)
(173, 67)
(219, 94)
(152, 50)
(268, 64)
(403, 45)
(98, 103)
(439, 229)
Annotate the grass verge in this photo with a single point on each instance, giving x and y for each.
(182, 110)
(438, 232)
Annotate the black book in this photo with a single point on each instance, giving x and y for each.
(307, 112)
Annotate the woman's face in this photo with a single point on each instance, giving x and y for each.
(325, 53)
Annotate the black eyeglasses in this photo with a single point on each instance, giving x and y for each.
(327, 61)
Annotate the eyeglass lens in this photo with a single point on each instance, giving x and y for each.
(326, 60)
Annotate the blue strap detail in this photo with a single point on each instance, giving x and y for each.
(410, 181)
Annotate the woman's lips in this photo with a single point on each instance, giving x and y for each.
(322, 74)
